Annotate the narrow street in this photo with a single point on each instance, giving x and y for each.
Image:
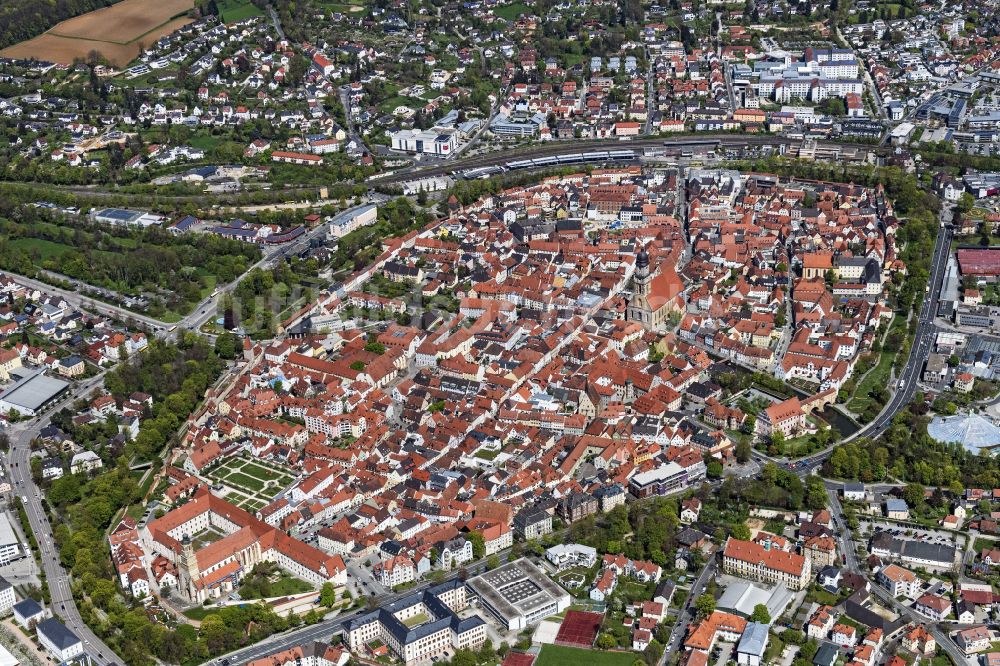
(275, 21)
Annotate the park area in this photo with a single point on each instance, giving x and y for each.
(252, 483)
(118, 33)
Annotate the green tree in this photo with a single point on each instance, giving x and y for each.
(777, 445)
(714, 469)
(478, 544)
(744, 450)
(327, 595)
(740, 531)
(653, 653)
(227, 345)
(965, 203)
(487, 654)
(760, 614)
(808, 650)
(913, 493)
(375, 348)
(816, 497)
(704, 605)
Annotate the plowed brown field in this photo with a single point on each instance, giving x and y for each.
(118, 32)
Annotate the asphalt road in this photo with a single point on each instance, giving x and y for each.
(19, 467)
(687, 613)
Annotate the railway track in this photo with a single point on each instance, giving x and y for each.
(611, 146)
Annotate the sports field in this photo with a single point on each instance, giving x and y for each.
(119, 32)
(579, 628)
(558, 655)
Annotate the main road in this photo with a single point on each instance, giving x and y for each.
(327, 628)
(18, 461)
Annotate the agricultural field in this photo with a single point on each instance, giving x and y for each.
(118, 33)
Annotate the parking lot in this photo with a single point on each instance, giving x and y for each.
(942, 537)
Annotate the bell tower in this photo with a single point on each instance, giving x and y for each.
(638, 307)
(187, 568)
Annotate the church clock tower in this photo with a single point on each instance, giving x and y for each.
(638, 308)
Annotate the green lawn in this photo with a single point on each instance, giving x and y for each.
(205, 142)
(632, 591)
(390, 104)
(356, 9)
(210, 282)
(264, 474)
(252, 505)
(821, 596)
(232, 11)
(574, 573)
(558, 655)
(878, 376)
(511, 12)
(417, 619)
(205, 538)
(284, 586)
(241, 480)
(237, 498)
(199, 613)
(45, 249)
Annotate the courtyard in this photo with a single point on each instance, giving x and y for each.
(252, 484)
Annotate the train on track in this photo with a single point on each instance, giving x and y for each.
(598, 156)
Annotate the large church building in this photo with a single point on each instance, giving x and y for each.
(654, 296)
(215, 570)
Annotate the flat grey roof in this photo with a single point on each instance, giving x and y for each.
(7, 537)
(33, 391)
(516, 589)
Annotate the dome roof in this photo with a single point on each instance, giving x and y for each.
(972, 431)
(642, 259)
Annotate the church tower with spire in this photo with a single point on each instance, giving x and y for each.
(638, 308)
